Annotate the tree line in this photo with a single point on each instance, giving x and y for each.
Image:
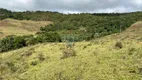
(15, 42)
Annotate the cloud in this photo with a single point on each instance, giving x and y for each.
(74, 6)
(17, 5)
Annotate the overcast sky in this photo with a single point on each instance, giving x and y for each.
(74, 6)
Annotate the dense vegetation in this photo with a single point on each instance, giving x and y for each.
(103, 24)
(5, 14)
(15, 42)
(74, 27)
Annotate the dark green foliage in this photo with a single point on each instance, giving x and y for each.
(48, 37)
(5, 13)
(15, 42)
(34, 63)
(17, 16)
(48, 28)
(31, 40)
(11, 43)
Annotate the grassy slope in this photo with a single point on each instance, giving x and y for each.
(95, 60)
(20, 27)
(134, 32)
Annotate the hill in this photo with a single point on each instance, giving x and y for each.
(83, 25)
(114, 57)
(134, 32)
(20, 27)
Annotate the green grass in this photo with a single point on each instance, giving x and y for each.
(95, 60)
(98, 60)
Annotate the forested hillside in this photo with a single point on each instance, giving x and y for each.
(69, 27)
(83, 24)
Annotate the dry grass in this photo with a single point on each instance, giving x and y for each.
(20, 27)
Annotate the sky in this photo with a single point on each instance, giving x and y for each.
(74, 6)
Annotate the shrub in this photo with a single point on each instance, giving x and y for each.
(34, 63)
(11, 43)
(30, 40)
(119, 45)
(85, 47)
(48, 28)
(68, 52)
(16, 42)
(48, 37)
(41, 57)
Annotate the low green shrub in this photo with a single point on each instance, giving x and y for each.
(11, 43)
(34, 63)
(48, 37)
(118, 45)
(15, 42)
(30, 40)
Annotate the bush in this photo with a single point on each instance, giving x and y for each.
(11, 43)
(16, 42)
(68, 52)
(48, 37)
(34, 63)
(119, 45)
(48, 28)
(41, 57)
(30, 40)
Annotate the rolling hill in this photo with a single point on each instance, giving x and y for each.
(133, 32)
(99, 59)
(20, 27)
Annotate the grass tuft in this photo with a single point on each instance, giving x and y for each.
(118, 45)
(68, 52)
